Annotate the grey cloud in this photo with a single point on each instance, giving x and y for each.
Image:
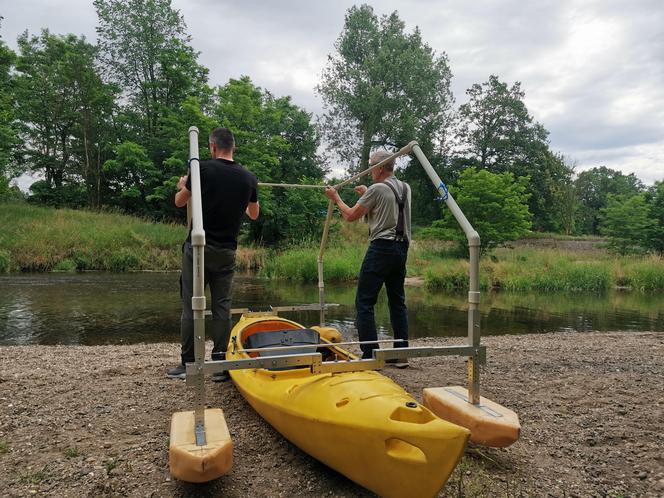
(597, 104)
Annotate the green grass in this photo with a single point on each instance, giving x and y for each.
(72, 452)
(550, 270)
(644, 274)
(110, 464)
(521, 268)
(4, 447)
(44, 239)
(301, 264)
(35, 477)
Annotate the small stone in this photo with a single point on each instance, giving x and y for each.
(643, 475)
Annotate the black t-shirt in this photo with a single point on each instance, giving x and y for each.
(226, 188)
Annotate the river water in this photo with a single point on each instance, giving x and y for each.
(104, 308)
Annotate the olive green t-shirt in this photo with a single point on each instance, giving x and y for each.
(384, 210)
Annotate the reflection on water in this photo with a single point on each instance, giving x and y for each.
(99, 308)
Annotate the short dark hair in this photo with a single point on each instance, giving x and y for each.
(223, 138)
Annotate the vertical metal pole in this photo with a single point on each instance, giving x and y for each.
(321, 252)
(474, 324)
(474, 293)
(198, 297)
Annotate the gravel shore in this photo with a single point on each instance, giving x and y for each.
(94, 421)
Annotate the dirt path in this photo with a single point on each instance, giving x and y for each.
(94, 421)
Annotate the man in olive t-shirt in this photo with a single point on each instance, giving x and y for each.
(228, 191)
(385, 259)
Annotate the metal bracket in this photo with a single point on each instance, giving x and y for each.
(200, 434)
(277, 309)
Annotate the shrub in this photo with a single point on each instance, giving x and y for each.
(123, 260)
(5, 262)
(66, 265)
(495, 204)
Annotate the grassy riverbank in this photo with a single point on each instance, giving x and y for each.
(556, 264)
(526, 269)
(44, 239)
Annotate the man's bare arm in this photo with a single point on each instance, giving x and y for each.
(253, 209)
(348, 213)
(183, 195)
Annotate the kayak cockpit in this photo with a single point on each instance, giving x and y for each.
(270, 337)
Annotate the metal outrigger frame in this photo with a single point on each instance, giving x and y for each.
(473, 350)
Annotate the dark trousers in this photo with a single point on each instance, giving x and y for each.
(384, 263)
(219, 269)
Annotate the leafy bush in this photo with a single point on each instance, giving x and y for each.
(655, 198)
(70, 195)
(5, 261)
(496, 205)
(626, 221)
(66, 265)
(645, 275)
(123, 260)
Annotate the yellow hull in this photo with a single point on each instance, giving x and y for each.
(361, 424)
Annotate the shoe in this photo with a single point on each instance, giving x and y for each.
(221, 376)
(402, 363)
(179, 372)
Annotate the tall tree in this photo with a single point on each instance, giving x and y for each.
(497, 133)
(8, 130)
(383, 88)
(495, 127)
(63, 108)
(276, 141)
(131, 175)
(144, 48)
(567, 205)
(176, 140)
(594, 186)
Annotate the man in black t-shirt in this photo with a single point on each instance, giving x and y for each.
(228, 191)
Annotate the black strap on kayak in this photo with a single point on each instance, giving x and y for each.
(401, 202)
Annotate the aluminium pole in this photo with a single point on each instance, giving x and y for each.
(321, 252)
(474, 292)
(403, 151)
(198, 295)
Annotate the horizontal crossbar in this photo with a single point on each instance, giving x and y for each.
(317, 366)
(316, 346)
(277, 309)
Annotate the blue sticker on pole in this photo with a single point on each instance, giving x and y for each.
(443, 190)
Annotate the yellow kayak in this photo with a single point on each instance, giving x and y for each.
(361, 424)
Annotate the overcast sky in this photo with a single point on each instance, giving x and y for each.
(592, 70)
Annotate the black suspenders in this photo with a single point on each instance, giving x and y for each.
(401, 202)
